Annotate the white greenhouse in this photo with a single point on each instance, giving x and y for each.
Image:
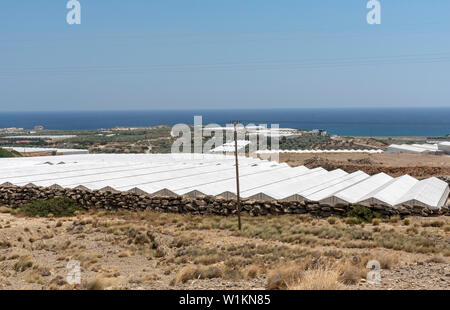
(188, 174)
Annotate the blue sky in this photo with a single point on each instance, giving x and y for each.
(215, 54)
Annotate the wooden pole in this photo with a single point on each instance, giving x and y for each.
(237, 177)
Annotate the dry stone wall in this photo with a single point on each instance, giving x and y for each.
(14, 196)
(446, 179)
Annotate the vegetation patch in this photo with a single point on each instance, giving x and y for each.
(56, 207)
(5, 153)
(363, 214)
(23, 263)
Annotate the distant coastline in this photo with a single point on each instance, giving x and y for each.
(375, 122)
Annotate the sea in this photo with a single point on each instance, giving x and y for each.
(418, 122)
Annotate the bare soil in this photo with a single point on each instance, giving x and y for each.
(416, 165)
(148, 250)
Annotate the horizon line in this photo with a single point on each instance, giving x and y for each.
(225, 109)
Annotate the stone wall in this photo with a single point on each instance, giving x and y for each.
(446, 179)
(14, 197)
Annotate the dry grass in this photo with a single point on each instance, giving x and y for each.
(34, 276)
(5, 209)
(387, 261)
(197, 272)
(125, 253)
(320, 279)
(437, 259)
(350, 274)
(289, 277)
(332, 220)
(434, 223)
(284, 277)
(168, 251)
(150, 278)
(99, 283)
(24, 263)
(254, 271)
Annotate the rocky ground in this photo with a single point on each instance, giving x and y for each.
(419, 276)
(393, 164)
(149, 250)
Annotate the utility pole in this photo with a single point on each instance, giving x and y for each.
(237, 176)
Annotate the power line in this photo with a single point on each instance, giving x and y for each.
(245, 66)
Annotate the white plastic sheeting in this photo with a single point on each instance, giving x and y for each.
(426, 193)
(230, 147)
(47, 150)
(318, 151)
(413, 148)
(444, 147)
(357, 192)
(40, 137)
(391, 192)
(201, 174)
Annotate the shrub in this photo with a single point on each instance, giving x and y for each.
(332, 220)
(376, 222)
(195, 272)
(5, 209)
(352, 221)
(363, 214)
(284, 277)
(208, 259)
(351, 275)
(33, 276)
(319, 279)
(23, 263)
(387, 261)
(435, 223)
(232, 273)
(58, 207)
(4, 153)
(394, 219)
(412, 230)
(253, 271)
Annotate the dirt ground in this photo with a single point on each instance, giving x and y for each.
(148, 250)
(416, 165)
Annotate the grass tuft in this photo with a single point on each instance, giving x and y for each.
(23, 263)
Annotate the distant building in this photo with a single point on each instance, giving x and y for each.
(319, 132)
(39, 128)
(11, 130)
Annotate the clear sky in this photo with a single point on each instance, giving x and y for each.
(215, 54)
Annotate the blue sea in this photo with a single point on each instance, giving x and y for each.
(426, 122)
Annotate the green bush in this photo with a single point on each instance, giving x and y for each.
(362, 214)
(4, 153)
(58, 207)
